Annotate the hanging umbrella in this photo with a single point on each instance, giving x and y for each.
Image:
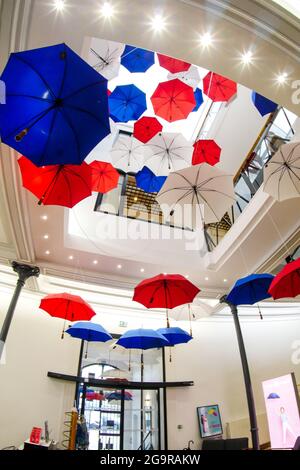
(173, 100)
(165, 291)
(56, 107)
(127, 103)
(148, 182)
(171, 64)
(250, 289)
(190, 313)
(105, 57)
(273, 396)
(91, 396)
(282, 173)
(59, 185)
(263, 104)
(142, 339)
(206, 151)
(67, 306)
(146, 128)
(190, 77)
(137, 60)
(198, 190)
(218, 88)
(168, 152)
(104, 177)
(199, 99)
(128, 154)
(175, 335)
(287, 282)
(118, 396)
(89, 331)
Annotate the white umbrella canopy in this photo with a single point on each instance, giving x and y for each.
(168, 152)
(190, 312)
(128, 154)
(197, 195)
(190, 77)
(105, 57)
(282, 173)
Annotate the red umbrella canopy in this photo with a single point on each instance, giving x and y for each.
(67, 306)
(58, 185)
(146, 128)
(206, 151)
(104, 177)
(173, 100)
(287, 281)
(165, 291)
(218, 88)
(171, 64)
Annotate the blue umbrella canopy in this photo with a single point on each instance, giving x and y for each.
(89, 331)
(175, 335)
(127, 103)
(56, 107)
(118, 396)
(148, 181)
(137, 60)
(263, 104)
(199, 99)
(251, 289)
(142, 339)
(272, 396)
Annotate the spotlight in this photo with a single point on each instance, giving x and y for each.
(206, 40)
(107, 10)
(281, 78)
(59, 5)
(158, 23)
(247, 58)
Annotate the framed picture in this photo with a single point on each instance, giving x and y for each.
(209, 421)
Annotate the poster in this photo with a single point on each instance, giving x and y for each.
(282, 404)
(209, 421)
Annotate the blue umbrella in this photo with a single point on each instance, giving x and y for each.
(89, 331)
(127, 103)
(118, 396)
(136, 59)
(56, 108)
(175, 335)
(272, 395)
(262, 104)
(148, 181)
(250, 290)
(199, 99)
(142, 339)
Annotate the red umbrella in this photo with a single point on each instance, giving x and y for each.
(146, 128)
(206, 151)
(173, 65)
(67, 306)
(104, 177)
(218, 88)
(59, 185)
(173, 100)
(165, 291)
(287, 281)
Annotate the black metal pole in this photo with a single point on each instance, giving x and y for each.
(24, 272)
(246, 372)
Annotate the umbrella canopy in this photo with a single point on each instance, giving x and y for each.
(218, 88)
(118, 396)
(148, 182)
(287, 282)
(173, 100)
(199, 99)
(190, 77)
(127, 103)
(89, 331)
(67, 306)
(171, 64)
(146, 128)
(263, 104)
(191, 312)
(206, 151)
(104, 177)
(168, 152)
(142, 339)
(136, 60)
(175, 335)
(91, 396)
(200, 189)
(128, 154)
(105, 57)
(282, 173)
(56, 107)
(59, 185)
(272, 396)
(250, 289)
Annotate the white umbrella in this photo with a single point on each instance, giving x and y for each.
(128, 154)
(168, 152)
(190, 312)
(282, 173)
(102, 150)
(190, 77)
(201, 192)
(105, 56)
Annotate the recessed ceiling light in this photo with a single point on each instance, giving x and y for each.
(224, 280)
(119, 266)
(135, 199)
(47, 252)
(206, 278)
(142, 270)
(281, 78)
(59, 5)
(107, 10)
(247, 57)
(71, 257)
(158, 23)
(187, 276)
(206, 39)
(46, 236)
(164, 274)
(44, 217)
(95, 261)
